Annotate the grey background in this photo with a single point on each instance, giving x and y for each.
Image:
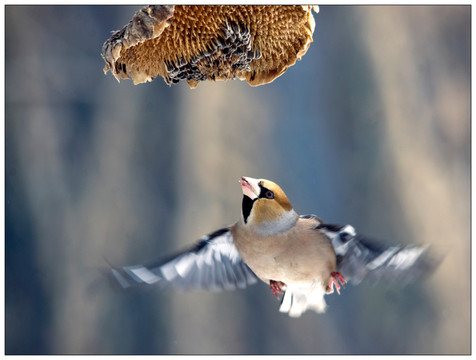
(371, 128)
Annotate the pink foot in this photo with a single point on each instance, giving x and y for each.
(334, 281)
(277, 287)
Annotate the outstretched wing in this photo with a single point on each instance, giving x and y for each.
(212, 264)
(358, 258)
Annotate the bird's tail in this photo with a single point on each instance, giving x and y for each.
(298, 298)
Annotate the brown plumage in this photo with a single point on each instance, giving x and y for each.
(256, 43)
(298, 255)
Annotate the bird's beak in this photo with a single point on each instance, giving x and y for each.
(250, 187)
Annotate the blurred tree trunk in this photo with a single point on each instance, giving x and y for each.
(426, 103)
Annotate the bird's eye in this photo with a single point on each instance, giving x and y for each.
(269, 194)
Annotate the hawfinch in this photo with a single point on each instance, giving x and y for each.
(298, 256)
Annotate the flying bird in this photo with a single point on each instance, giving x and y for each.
(256, 43)
(301, 257)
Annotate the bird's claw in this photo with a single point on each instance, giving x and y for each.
(334, 280)
(277, 287)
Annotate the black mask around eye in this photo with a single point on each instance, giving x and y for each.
(266, 193)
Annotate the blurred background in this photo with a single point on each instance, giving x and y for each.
(371, 128)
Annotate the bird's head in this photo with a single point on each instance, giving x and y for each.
(266, 207)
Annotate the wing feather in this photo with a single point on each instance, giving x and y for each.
(359, 258)
(213, 264)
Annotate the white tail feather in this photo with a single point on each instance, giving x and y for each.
(299, 298)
